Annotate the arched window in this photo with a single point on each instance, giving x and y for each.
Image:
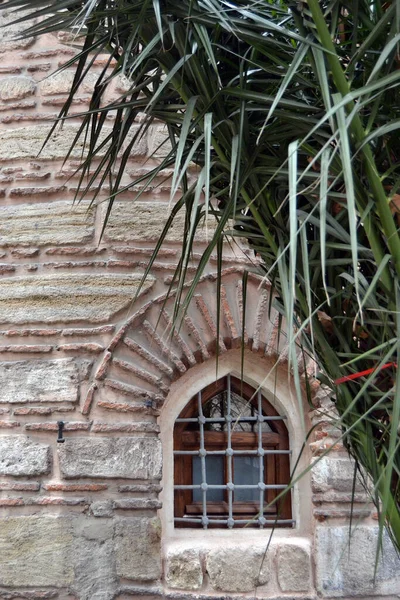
(231, 459)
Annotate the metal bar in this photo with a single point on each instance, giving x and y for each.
(229, 454)
(238, 420)
(224, 452)
(237, 521)
(280, 486)
(260, 460)
(202, 453)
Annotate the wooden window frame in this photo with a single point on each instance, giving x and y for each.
(276, 466)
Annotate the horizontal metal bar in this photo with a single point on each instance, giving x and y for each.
(238, 420)
(236, 521)
(236, 487)
(223, 452)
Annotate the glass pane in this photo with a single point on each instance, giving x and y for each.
(246, 472)
(214, 476)
(243, 413)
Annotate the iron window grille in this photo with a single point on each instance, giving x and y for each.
(231, 460)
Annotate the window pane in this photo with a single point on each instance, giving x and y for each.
(214, 476)
(246, 472)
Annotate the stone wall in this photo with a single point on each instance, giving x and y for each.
(87, 519)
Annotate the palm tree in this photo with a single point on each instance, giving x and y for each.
(289, 112)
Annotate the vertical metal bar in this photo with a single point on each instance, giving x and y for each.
(229, 454)
(202, 453)
(260, 458)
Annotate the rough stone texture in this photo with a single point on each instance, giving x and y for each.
(138, 548)
(336, 473)
(95, 573)
(135, 221)
(10, 32)
(294, 567)
(20, 456)
(39, 381)
(15, 88)
(238, 569)
(67, 297)
(183, 569)
(27, 142)
(36, 551)
(344, 571)
(61, 83)
(127, 458)
(46, 223)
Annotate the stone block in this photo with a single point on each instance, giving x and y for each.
(61, 83)
(10, 31)
(159, 143)
(27, 142)
(144, 222)
(21, 457)
(125, 458)
(238, 569)
(183, 569)
(348, 570)
(334, 473)
(36, 551)
(39, 381)
(294, 566)
(67, 297)
(94, 561)
(15, 88)
(46, 223)
(138, 548)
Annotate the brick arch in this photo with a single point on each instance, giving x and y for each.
(143, 358)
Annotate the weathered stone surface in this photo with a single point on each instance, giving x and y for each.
(184, 570)
(138, 548)
(144, 221)
(334, 473)
(67, 297)
(15, 88)
(27, 142)
(61, 83)
(95, 573)
(127, 458)
(238, 569)
(344, 570)
(10, 32)
(36, 551)
(294, 567)
(39, 381)
(20, 456)
(50, 223)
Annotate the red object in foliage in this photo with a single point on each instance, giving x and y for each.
(362, 373)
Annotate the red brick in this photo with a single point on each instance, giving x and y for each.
(29, 332)
(42, 410)
(34, 191)
(25, 252)
(33, 176)
(4, 268)
(89, 399)
(17, 106)
(125, 407)
(102, 370)
(51, 501)
(90, 347)
(28, 348)
(9, 424)
(75, 250)
(20, 487)
(89, 331)
(69, 426)
(75, 487)
(39, 68)
(11, 502)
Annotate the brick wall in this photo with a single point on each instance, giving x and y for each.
(83, 519)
